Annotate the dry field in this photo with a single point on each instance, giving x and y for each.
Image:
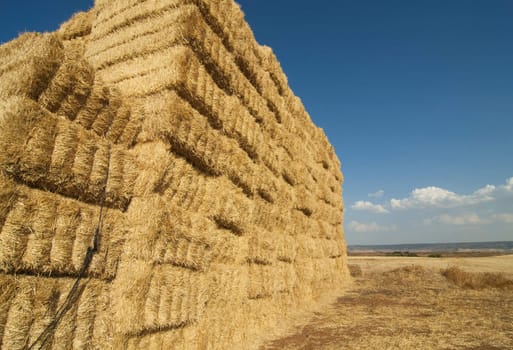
(408, 303)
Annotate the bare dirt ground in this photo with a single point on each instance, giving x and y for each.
(407, 303)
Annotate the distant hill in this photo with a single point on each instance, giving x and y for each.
(462, 246)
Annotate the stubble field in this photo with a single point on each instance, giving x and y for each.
(415, 303)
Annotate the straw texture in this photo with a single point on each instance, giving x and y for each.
(160, 181)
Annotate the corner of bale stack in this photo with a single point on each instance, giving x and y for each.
(162, 134)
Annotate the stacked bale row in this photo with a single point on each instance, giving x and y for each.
(222, 200)
(64, 138)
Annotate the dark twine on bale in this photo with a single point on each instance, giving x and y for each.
(76, 290)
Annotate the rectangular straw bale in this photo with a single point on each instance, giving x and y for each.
(328, 213)
(47, 233)
(271, 65)
(209, 150)
(328, 231)
(175, 297)
(14, 236)
(267, 281)
(302, 224)
(69, 88)
(77, 26)
(156, 164)
(272, 217)
(140, 38)
(7, 292)
(28, 63)
(20, 317)
(36, 256)
(262, 250)
(113, 234)
(97, 100)
(239, 39)
(286, 247)
(316, 248)
(139, 77)
(34, 306)
(129, 292)
(148, 297)
(38, 149)
(116, 16)
(8, 196)
(26, 138)
(106, 116)
(184, 186)
(166, 234)
(87, 312)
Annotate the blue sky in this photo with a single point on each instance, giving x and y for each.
(416, 97)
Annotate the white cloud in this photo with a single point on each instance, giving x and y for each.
(509, 185)
(368, 206)
(369, 227)
(377, 194)
(441, 198)
(505, 217)
(466, 219)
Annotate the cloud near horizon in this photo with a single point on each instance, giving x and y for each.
(437, 197)
(464, 219)
(362, 227)
(368, 206)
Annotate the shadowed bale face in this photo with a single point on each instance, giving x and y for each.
(161, 134)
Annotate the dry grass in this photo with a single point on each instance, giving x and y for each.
(476, 280)
(409, 306)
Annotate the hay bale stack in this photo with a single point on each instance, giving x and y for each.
(161, 137)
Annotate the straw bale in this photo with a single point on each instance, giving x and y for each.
(39, 147)
(305, 201)
(267, 281)
(28, 63)
(272, 217)
(261, 249)
(271, 248)
(34, 305)
(86, 315)
(239, 39)
(184, 186)
(328, 213)
(14, 237)
(150, 74)
(156, 165)
(48, 234)
(69, 88)
(78, 25)
(167, 234)
(8, 196)
(315, 248)
(148, 297)
(302, 223)
(19, 319)
(209, 150)
(42, 227)
(270, 64)
(125, 127)
(26, 138)
(96, 101)
(286, 248)
(140, 38)
(106, 116)
(116, 16)
(7, 292)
